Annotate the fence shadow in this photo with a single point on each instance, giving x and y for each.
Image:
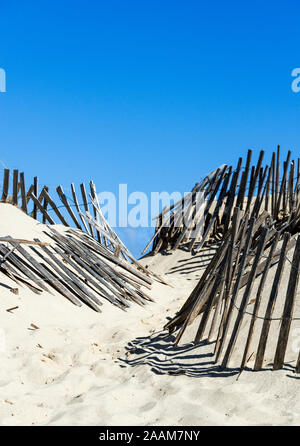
(159, 353)
(194, 263)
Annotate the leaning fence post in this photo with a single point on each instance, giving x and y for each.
(5, 185)
(288, 309)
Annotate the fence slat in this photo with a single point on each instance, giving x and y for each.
(35, 192)
(40, 207)
(288, 309)
(271, 303)
(15, 187)
(77, 207)
(5, 185)
(64, 200)
(258, 301)
(86, 206)
(23, 192)
(246, 235)
(54, 207)
(244, 179)
(245, 300)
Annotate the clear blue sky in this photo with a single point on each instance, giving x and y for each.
(150, 93)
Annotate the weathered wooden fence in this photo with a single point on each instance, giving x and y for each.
(84, 263)
(206, 212)
(248, 252)
(75, 265)
(41, 206)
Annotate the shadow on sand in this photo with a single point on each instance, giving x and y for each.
(159, 353)
(193, 360)
(195, 263)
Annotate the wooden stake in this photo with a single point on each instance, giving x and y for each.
(271, 304)
(288, 309)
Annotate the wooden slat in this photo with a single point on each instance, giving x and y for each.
(236, 288)
(216, 211)
(258, 299)
(54, 207)
(219, 279)
(23, 241)
(244, 179)
(277, 179)
(35, 193)
(14, 275)
(288, 309)
(15, 187)
(23, 192)
(217, 311)
(40, 207)
(99, 249)
(93, 194)
(245, 300)
(254, 180)
(270, 307)
(260, 193)
(45, 204)
(273, 200)
(213, 265)
(86, 206)
(31, 189)
(71, 280)
(20, 264)
(5, 185)
(231, 196)
(77, 207)
(291, 187)
(275, 259)
(229, 271)
(201, 296)
(283, 185)
(84, 262)
(47, 275)
(64, 200)
(209, 204)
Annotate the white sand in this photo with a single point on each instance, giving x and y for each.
(76, 368)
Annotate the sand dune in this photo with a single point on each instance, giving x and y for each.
(80, 367)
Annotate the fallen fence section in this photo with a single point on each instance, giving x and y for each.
(86, 264)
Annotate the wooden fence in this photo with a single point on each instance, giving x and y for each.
(70, 211)
(249, 251)
(206, 212)
(85, 262)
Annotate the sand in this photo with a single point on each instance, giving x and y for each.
(115, 368)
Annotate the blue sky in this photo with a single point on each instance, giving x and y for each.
(152, 94)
